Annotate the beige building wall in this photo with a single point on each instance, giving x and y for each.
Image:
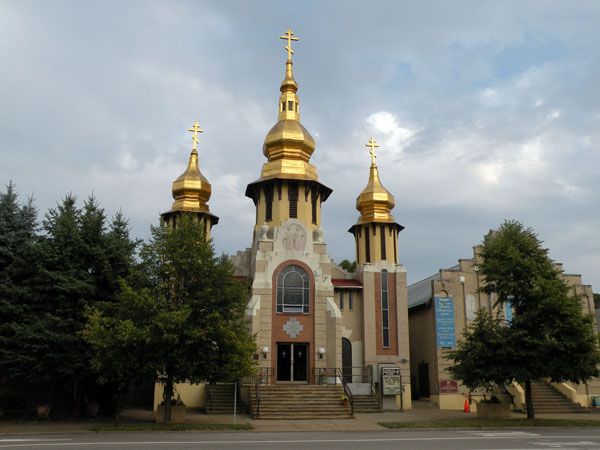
(373, 230)
(281, 208)
(192, 395)
(462, 283)
(271, 250)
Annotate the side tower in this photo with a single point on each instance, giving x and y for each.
(385, 309)
(191, 192)
(292, 311)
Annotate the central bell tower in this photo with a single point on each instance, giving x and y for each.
(292, 312)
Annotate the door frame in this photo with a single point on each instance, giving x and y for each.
(306, 345)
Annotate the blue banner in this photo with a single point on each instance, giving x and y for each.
(444, 322)
(508, 312)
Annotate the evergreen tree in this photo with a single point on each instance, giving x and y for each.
(46, 284)
(188, 323)
(18, 226)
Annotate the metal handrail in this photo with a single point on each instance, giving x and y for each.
(347, 390)
(263, 376)
(375, 393)
(210, 397)
(257, 396)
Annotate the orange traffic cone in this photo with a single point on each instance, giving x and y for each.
(467, 408)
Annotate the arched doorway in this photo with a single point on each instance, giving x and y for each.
(347, 360)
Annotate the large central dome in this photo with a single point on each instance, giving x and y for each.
(288, 145)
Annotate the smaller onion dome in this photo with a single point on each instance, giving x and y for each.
(375, 202)
(191, 190)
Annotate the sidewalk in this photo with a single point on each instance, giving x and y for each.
(361, 422)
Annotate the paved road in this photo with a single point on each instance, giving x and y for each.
(532, 438)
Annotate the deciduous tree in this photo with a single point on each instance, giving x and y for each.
(187, 325)
(549, 335)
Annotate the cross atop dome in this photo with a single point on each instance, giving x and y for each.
(373, 145)
(289, 37)
(195, 130)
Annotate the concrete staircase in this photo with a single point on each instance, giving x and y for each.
(300, 401)
(219, 399)
(547, 400)
(365, 404)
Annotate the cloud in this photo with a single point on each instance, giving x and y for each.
(394, 135)
(483, 111)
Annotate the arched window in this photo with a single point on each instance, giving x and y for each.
(293, 290)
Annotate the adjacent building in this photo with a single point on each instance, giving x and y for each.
(442, 306)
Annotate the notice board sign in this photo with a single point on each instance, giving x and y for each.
(391, 380)
(448, 386)
(444, 322)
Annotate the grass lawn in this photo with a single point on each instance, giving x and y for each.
(489, 423)
(173, 427)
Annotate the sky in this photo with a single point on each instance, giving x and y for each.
(484, 111)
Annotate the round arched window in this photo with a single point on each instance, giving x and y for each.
(293, 290)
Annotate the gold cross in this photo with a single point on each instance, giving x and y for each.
(195, 130)
(373, 146)
(289, 36)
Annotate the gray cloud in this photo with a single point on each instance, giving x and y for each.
(485, 111)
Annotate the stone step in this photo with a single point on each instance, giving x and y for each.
(305, 417)
(300, 402)
(547, 400)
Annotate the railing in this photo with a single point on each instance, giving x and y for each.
(376, 392)
(335, 376)
(263, 376)
(209, 391)
(348, 374)
(347, 391)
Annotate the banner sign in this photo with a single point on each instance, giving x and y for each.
(444, 322)
(448, 386)
(508, 312)
(391, 380)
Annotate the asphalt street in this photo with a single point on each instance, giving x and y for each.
(522, 439)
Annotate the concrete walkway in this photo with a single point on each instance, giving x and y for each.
(361, 422)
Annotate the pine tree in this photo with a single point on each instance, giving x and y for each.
(18, 226)
(47, 282)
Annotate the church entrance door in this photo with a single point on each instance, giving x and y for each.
(292, 362)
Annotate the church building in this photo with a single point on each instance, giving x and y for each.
(315, 323)
(324, 333)
(443, 305)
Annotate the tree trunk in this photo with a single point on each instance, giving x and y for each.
(168, 394)
(117, 406)
(529, 400)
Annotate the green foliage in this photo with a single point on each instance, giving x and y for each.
(348, 266)
(18, 226)
(549, 336)
(47, 280)
(480, 356)
(186, 322)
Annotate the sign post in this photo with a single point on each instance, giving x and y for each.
(234, 402)
(392, 383)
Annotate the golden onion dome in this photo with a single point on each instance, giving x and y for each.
(288, 145)
(191, 190)
(375, 202)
